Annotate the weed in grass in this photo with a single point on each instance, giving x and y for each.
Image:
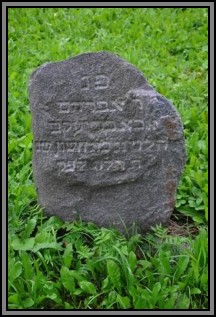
(171, 271)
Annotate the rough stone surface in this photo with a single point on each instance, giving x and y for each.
(107, 147)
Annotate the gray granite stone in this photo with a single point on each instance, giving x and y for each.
(107, 147)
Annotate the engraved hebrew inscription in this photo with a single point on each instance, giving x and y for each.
(107, 147)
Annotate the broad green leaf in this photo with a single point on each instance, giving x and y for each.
(27, 267)
(170, 303)
(114, 273)
(14, 270)
(44, 236)
(14, 299)
(123, 301)
(204, 279)
(132, 260)
(182, 285)
(195, 270)
(78, 291)
(31, 192)
(140, 303)
(181, 266)
(133, 292)
(199, 200)
(52, 296)
(124, 250)
(12, 145)
(206, 213)
(67, 279)
(195, 291)
(28, 302)
(165, 263)
(46, 245)
(105, 283)
(52, 223)
(197, 218)
(88, 287)
(201, 248)
(67, 256)
(78, 275)
(112, 297)
(156, 290)
(183, 302)
(23, 245)
(145, 264)
(188, 211)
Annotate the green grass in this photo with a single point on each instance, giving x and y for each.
(80, 265)
(84, 267)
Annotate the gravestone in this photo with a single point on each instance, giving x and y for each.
(107, 147)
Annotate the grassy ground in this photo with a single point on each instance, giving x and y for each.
(74, 265)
